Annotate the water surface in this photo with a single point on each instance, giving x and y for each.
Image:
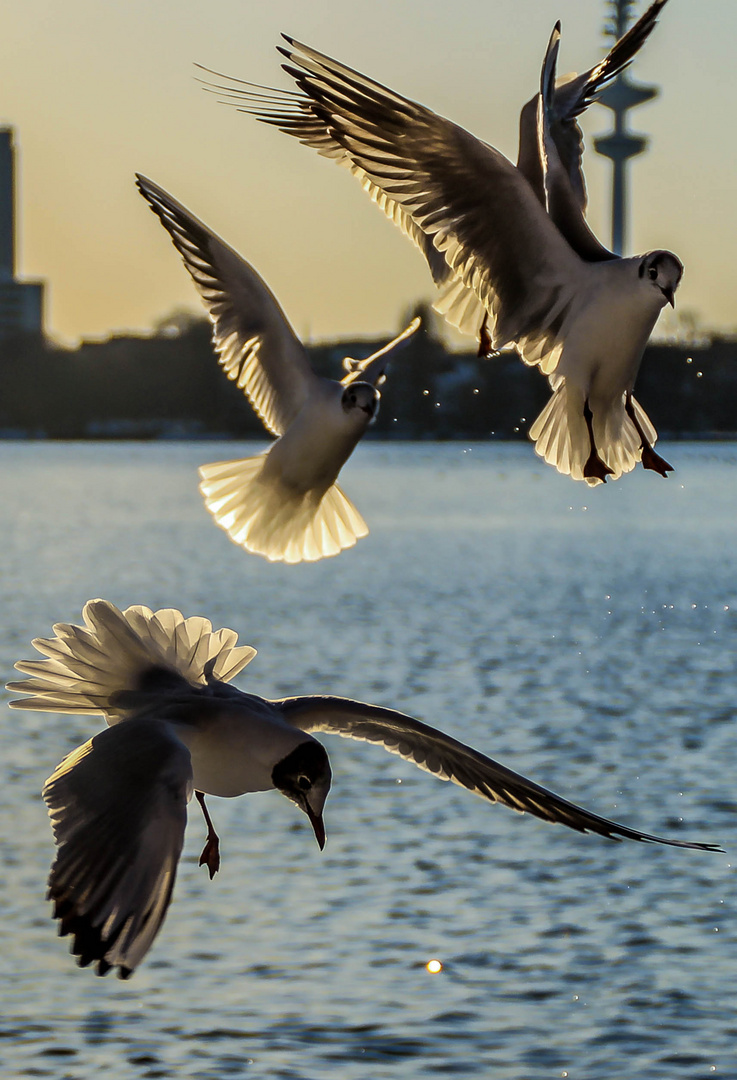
(585, 638)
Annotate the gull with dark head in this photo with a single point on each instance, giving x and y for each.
(284, 504)
(509, 244)
(118, 803)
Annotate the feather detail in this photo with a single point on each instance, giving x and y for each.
(87, 667)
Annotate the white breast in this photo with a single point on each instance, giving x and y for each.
(317, 444)
(235, 751)
(608, 334)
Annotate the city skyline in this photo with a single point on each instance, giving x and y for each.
(97, 92)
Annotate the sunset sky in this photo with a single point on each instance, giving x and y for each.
(98, 91)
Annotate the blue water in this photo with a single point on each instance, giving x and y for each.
(585, 638)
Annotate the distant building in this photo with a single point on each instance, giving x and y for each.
(21, 302)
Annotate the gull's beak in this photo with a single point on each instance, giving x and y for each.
(318, 825)
(669, 296)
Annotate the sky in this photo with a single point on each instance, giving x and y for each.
(98, 91)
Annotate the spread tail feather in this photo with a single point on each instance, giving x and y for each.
(264, 516)
(88, 666)
(561, 436)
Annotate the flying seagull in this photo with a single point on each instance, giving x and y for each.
(285, 503)
(509, 244)
(118, 803)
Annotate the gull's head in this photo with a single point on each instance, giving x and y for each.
(362, 399)
(304, 777)
(662, 270)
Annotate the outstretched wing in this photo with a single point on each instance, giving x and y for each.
(566, 100)
(298, 115)
(118, 806)
(562, 201)
(373, 368)
(479, 210)
(256, 346)
(474, 205)
(574, 96)
(449, 759)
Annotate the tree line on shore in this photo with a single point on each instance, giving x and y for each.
(168, 385)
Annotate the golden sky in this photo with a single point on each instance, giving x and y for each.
(98, 91)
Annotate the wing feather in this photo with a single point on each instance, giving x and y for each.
(573, 96)
(450, 759)
(118, 807)
(566, 100)
(478, 208)
(373, 368)
(297, 115)
(446, 189)
(256, 346)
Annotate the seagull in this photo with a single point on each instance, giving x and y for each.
(509, 244)
(118, 803)
(285, 503)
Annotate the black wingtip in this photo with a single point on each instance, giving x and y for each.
(550, 63)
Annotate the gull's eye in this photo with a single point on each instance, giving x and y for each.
(653, 273)
(304, 782)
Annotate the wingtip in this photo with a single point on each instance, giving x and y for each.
(149, 190)
(550, 63)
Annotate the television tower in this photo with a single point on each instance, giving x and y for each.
(621, 96)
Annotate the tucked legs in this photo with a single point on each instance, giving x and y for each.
(210, 856)
(650, 460)
(594, 468)
(484, 338)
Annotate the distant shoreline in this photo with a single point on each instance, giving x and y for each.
(168, 388)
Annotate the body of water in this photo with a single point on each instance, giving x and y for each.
(583, 637)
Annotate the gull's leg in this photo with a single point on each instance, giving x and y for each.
(650, 460)
(210, 856)
(594, 467)
(485, 346)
